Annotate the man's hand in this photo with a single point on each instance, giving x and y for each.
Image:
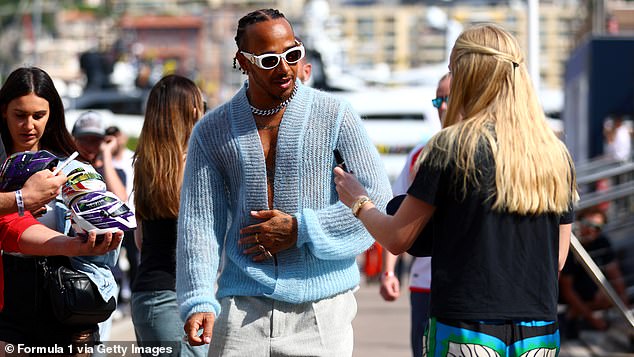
(278, 232)
(195, 322)
(390, 287)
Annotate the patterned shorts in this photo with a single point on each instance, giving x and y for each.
(491, 338)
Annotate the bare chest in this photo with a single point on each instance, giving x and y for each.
(268, 132)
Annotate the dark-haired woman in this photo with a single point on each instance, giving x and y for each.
(32, 120)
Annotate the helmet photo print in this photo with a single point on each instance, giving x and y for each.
(18, 167)
(102, 212)
(80, 182)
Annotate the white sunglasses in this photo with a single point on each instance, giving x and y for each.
(271, 60)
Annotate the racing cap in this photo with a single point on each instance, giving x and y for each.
(89, 123)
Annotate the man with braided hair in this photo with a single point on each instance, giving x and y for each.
(258, 195)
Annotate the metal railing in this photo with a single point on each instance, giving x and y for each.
(619, 194)
(597, 275)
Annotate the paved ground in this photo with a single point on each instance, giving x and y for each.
(382, 330)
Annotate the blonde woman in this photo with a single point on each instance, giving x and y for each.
(498, 187)
(174, 105)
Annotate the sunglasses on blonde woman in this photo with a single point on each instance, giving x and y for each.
(272, 60)
(437, 102)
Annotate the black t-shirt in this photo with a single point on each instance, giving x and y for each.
(602, 254)
(157, 270)
(487, 265)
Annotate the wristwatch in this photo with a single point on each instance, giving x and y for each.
(356, 206)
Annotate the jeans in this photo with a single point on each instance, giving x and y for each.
(157, 323)
(419, 302)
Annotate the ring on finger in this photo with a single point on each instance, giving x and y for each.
(268, 254)
(257, 240)
(261, 248)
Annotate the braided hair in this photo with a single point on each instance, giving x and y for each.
(251, 18)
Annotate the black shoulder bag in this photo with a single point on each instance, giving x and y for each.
(74, 297)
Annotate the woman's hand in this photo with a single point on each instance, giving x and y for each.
(41, 240)
(348, 187)
(92, 246)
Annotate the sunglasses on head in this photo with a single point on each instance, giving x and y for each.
(437, 102)
(271, 60)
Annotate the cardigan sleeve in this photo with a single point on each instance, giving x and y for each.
(11, 228)
(333, 232)
(201, 230)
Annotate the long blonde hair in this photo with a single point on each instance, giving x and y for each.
(493, 107)
(174, 105)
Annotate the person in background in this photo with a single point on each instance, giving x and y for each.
(32, 120)
(174, 105)
(258, 202)
(618, 139)
(122, 156)
(122, 161)
(97, 149)
(304, 67)
(496, 203)
(578, 290)
(420, 273)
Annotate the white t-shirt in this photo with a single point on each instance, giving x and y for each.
(420, 273)
(622, 145)
(125, 164)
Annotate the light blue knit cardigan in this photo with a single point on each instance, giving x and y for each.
(225, 179)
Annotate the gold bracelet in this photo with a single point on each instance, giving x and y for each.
(356, 206)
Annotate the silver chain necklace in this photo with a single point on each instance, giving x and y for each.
(269, 112)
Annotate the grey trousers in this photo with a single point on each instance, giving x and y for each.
(262, 327)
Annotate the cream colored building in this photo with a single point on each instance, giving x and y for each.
(401, 36)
